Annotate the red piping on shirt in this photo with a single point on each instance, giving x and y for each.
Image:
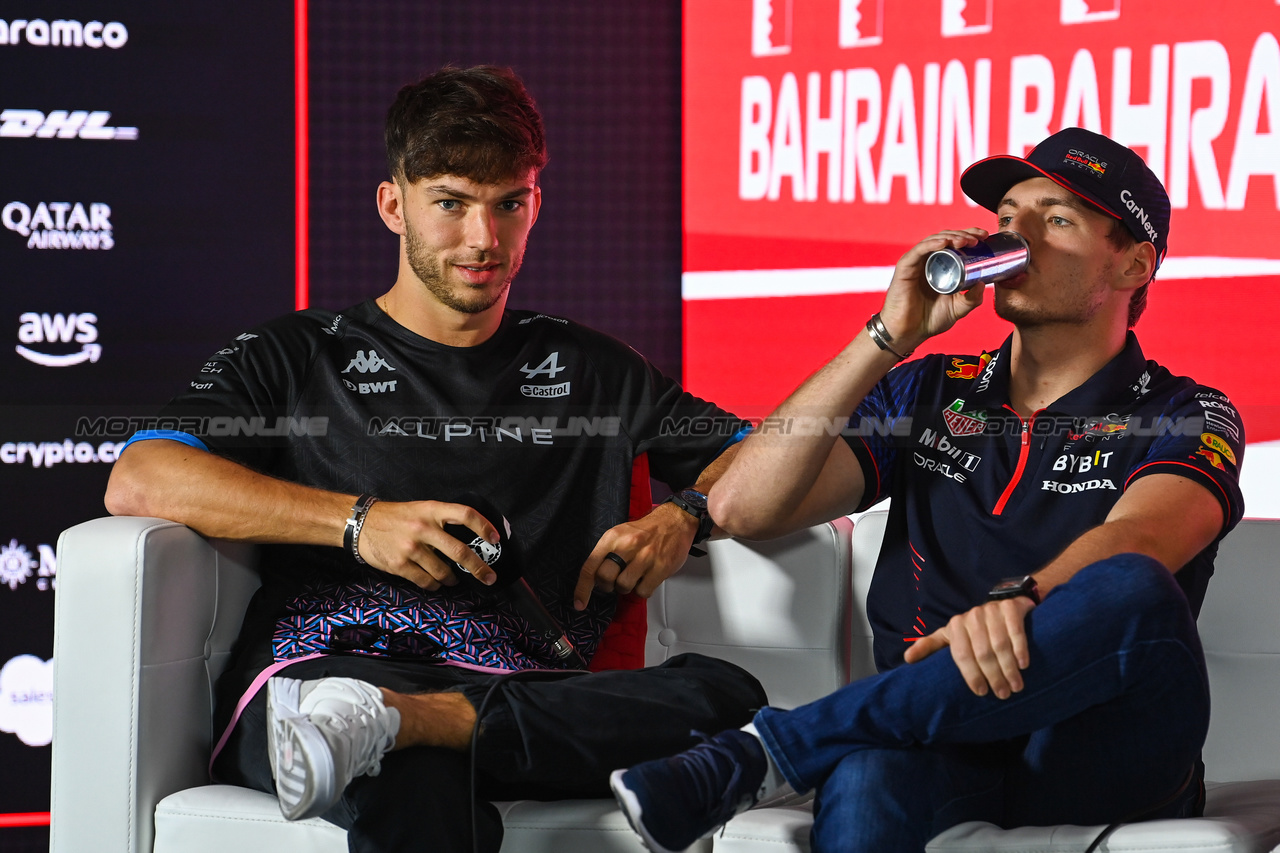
(1226, 498)
(1023, 452)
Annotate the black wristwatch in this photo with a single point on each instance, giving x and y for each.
(694, 502)
(1015, 588)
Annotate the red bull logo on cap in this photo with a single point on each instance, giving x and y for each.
(1087, 161)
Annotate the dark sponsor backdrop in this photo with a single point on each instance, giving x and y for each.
(172, 153)
(606, 248)
(200, 209)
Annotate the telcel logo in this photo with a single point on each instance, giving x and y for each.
(59, 328)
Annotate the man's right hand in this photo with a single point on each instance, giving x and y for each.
(404, 538)
(913, 312)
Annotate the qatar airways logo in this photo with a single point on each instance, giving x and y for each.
(60, 224)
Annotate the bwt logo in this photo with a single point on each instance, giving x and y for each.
(59, 328)
(62, 124)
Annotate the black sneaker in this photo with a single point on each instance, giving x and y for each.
(672, 802)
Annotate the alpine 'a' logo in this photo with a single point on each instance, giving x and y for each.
(370, 363)
(550, 367)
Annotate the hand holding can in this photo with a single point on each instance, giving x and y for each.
(1002, 255)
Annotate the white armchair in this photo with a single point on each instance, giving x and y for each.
(1241, 637)
(147, 611)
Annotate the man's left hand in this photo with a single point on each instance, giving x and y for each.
(654, 547)
(988, 644)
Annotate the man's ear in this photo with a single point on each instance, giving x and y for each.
(536, 199)
(391, 205)
(1140, 268)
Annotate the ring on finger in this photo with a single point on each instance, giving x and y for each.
(622, 564)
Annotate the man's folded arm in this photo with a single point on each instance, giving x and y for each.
(221, 498)
(1165, 516)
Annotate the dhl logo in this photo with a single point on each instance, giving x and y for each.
(961, 369)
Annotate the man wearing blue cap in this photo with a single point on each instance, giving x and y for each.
(1057, 504)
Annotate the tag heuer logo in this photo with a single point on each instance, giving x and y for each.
(961, 423)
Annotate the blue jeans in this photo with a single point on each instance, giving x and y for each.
(1109, 724)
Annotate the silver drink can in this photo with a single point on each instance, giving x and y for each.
(1002, 255)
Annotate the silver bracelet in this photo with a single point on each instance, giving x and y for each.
(351, 535)
(880, 334)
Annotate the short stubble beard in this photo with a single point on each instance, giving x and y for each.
(429, 272)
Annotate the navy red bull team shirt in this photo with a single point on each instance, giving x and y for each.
(980, 493)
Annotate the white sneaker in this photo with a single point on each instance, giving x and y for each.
(322, 734)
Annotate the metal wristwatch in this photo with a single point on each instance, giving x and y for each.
(694, 502)
(1015, 588)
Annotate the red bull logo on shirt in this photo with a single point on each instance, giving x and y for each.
(961, 369)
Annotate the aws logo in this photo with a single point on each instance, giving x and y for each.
(44, 329)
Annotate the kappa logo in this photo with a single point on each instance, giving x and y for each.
(370, 363)
(961, 423)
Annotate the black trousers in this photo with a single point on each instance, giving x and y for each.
(545, 739)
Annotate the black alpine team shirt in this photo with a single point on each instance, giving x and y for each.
(543, 420)
(979, 494)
